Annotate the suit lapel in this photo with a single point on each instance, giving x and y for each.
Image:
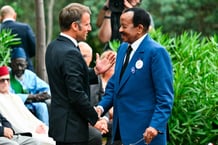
(67, 40)
(131, 68)
(119, 61)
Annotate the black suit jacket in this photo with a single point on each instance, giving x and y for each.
(4, 123)
(68, 77)
(25, 33)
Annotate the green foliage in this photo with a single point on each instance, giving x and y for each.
(114, 45)
(177, 16)
(6, 40)
(194, 118)
(174, 16)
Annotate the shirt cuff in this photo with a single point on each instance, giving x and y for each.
(100, 107)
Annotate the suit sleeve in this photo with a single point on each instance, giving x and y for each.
(162, 75)
(4, 123)
(93, 78)
(77, 82)
(31, 42)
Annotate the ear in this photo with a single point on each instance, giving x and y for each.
(15, 16)
(140, 28)
(74, 26)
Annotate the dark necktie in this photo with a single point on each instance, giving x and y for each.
(126, 61)
(78, 47)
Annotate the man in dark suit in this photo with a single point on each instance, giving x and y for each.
(142, 97)
(69, 79)
(22, 30)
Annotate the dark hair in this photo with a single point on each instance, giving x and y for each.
(71, 13)
(140, 16)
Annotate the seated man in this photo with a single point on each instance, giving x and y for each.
(32, 90)
(22, 120)
(8, 136)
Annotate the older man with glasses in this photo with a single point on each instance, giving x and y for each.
(21, 119)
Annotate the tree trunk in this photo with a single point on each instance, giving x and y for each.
(50, 20)
(40, 40)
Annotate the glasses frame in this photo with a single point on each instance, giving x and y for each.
(4, 79)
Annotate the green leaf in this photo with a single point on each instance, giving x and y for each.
(7, 39)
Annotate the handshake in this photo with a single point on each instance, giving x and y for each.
(102, 123)
(41, 97)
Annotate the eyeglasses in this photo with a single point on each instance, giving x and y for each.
(4, 79)
(142, 139)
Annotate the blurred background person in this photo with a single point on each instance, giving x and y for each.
(105, 78)
(109, 19)
(13, 108)
(32, 90)
(22, 30)
(96, 91)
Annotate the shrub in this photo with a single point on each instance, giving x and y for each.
(6, 40)
(194, 117)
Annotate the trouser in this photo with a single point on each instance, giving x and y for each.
(77, 143)
(18, 140)
(95, 137)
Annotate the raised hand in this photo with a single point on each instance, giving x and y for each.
(102, 65)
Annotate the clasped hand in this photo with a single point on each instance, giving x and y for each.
(102, 125)
(41, 97)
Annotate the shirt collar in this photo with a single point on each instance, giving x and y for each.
(8, 19)
(71, 38)
(136, 44)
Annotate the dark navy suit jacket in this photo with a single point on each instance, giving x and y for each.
(4, 123)
(25, 33)
(69, 76)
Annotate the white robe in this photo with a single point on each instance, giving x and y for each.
(22, 120)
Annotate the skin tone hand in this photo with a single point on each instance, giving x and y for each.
(131, 3)
(102, 126)
(8, 132)
(102, 65)
(149, 134)
(41, 129)
(127, 4)
(106, 3)
(41, 97)
(99, 111)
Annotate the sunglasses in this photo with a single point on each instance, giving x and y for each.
(5, 79)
